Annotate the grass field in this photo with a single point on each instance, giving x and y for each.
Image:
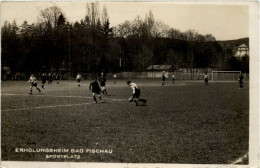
(184, 122)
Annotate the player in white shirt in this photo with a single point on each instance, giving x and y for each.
(33, 82)
(173, 78)
(115, 77)
(78, 78)
(102, 82)
(136, 94)
(206, 79)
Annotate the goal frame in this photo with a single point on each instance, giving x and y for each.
(212, 73)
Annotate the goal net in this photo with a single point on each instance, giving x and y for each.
(225, 75)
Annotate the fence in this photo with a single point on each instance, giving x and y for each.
(179, 75)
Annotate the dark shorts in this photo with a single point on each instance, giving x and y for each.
(43, 81)
(96, 91)
(34, 84)
(137, 93)
(78, 80)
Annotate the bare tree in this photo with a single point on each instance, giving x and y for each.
(209, 37)
(137, 26)
(149, 22)
(191, 35)
(105, 16)
(175, 34)
(93, 13)
(160, 29)
(124, 29)
(50, 16)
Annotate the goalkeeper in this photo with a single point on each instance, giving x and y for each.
(33, 82)
(136, 94)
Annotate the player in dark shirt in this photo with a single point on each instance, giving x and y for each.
(240, 79)
(50, 78)
(94, 87)
(163, 79)
(57, 77)
(44, 79)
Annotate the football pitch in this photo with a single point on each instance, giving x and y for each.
(184, 122)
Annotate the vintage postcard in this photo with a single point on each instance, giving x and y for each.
(129, 84)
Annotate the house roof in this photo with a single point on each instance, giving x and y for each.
(159, 67)
(243, 46)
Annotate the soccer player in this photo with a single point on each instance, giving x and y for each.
(50, 78)
(57, 77)
(94, 87)
(173, 78)
(44, 78)
(102, 82)
(136, 94)
(163, 79)
(206, 79)
(240, 79)
(33, 82)
(115, 77)
(78, 78)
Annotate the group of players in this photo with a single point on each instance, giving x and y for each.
(49, 78)
(95, 86)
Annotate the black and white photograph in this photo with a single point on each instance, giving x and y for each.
(131, 82)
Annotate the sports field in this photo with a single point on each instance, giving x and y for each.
(184, 122)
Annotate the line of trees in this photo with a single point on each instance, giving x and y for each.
(95, 46)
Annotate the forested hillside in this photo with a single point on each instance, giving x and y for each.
(92, 45)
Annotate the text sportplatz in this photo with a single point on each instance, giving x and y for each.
(63, 153)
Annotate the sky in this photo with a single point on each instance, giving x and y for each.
(225, 22)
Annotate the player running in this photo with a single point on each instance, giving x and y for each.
(33, 82)
(94, 87)
(78, 78)
(102, 82)
(206, 79)
(44, 79)
(136, 94)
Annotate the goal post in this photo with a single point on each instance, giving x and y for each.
(225, 75)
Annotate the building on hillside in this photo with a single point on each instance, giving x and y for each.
(156, 71)
(241, 51)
